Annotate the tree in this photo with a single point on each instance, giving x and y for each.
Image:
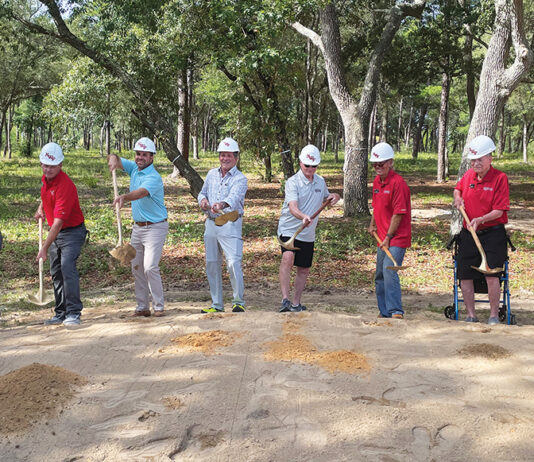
(355, 115)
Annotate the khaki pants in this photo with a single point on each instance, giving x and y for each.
(148, 243)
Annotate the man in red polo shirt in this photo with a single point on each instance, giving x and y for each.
(61, 208)
(484, 193)
(392, 221)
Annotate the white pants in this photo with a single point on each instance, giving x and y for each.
(148, 243)
(227, 239)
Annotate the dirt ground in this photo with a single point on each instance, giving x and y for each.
(331, 384)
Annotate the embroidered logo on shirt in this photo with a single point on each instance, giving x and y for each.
(487, 188)
(472, 186)
(387, 191)
(317, 190)
(376, 191)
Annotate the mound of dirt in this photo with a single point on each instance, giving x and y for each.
(206, 342)
(295, 347)
(32, 393)
(484, 350)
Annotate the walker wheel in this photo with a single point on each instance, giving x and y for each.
(513, 321)
(502, 313)
(450, 312)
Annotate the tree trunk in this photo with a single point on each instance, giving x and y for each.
(372, 126)
(502, 136)
(525, 139)
(443, 119)
(408, 130)
(496, 81)
(2, 122)
(417, 136)
(184, 118)
(399, 125)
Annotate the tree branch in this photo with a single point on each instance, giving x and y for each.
(309, 34)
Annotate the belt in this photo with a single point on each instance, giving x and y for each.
(146, 223)
(491, 228)
(73, 227)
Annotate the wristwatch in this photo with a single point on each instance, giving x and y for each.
(389, 235)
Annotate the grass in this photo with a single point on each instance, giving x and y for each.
(345, 253)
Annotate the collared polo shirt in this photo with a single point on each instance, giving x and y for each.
(392, 197)
(482, 196)
(152, 207)
(60, 200)
(309, 196)
(230, 188)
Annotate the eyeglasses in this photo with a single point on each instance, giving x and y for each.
(379, 164)
(310, 166)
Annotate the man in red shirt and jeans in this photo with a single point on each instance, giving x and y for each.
(61, 208)
(392, 221)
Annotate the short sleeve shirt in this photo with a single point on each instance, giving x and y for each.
(152, 207)
(482, 196)
(60, 200)
(309, 196)
(392, 197)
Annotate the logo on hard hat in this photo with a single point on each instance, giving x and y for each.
(142, 145)
(226, 143)
(50, 156)
(473, 151)
(375, 154)
(309, 156)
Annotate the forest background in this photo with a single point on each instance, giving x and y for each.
(275, 75)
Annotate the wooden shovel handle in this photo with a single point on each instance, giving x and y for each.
(117, 207)
(473, 233)
(41, 285)
(317, 212)
(385, 249)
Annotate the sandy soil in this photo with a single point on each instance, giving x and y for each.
(324, 385)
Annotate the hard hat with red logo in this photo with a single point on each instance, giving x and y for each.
(310, 155)
(145, 144)
(228, 145)
(480, 146)
(381, 152)
(51, 154)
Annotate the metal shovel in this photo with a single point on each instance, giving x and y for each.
(40, 299)
(484, 267)
(123, 251)
(388, 253)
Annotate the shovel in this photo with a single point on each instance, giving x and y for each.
(483, 268)
(289, 244)
(226, 217)
(388, 253)
(123, 252)
(40, 299)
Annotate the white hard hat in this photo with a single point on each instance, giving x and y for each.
(310, 155)
(228, 145)
(145, 144)
(381, 152)
(51, 154)
(480, 146)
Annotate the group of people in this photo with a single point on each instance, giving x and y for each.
(483, 191)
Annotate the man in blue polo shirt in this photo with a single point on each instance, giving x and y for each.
(150, 224)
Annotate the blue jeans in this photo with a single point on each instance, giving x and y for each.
(387, 282)
(63, 254)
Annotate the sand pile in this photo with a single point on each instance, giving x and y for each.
(296, 347)
(32, 393)
(484, 350)
(206, 342)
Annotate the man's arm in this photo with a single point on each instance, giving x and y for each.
(131, 196)
(393, 226)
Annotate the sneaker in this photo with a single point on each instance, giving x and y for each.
(158, 313)
(471, 319)
(56, 319)
(211, 309)
(297, 308)
(72, 320)
(493, 321)
(397, 316)
(285, 306)
(238, 308)
(146, 312)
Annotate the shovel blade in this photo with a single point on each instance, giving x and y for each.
(226, 217)
(125, 253)
(37, 300)
(488, 270)
(396, 268)
(288, 245)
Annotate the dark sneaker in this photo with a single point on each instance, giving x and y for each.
(471, 319)
(238, 308)
(296, 309)
(146, 313)
(493, 321)
(211, 310)
(285, 306)
(72, 320)
(54, 320)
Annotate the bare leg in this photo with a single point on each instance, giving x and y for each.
(284, 274)
(300, 283)
(494, 295)
(468, 293)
